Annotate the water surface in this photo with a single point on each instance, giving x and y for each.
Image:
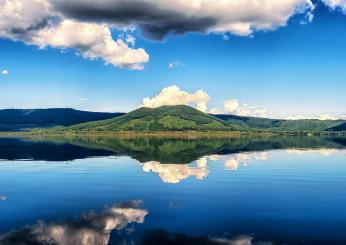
(80, 190)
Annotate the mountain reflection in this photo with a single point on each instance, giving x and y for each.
(155, 149)
(91, 228)
(173, 159)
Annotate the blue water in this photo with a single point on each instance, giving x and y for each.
(281, 196)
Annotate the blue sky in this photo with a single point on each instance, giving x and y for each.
(298, 69)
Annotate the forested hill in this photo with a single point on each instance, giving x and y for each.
(164, 118)
(312, 125)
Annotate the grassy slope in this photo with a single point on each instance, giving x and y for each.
(165, 118)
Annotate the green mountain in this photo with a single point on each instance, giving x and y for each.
(165, 118)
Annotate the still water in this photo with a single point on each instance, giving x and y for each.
(74, 191)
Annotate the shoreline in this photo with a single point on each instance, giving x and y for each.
(170, 134)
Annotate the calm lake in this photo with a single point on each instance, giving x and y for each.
(241, 191)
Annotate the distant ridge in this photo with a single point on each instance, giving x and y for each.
(341, 127)
(302, 125)
(23, 119)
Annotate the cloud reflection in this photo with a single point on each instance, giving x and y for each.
(157, 237)
(174, 173)
(91, 228)
(323, 151)
(232, 162)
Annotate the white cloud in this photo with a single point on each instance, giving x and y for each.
(232, 106)
(319, 117)
(326, 117)
(159, 18)
(36, 22)
(334, 4)
(176, 64)
(93, 41)
(82, 99)
(86, 25)
(173, 95)
(297, 117)
(130, 40)
(215, 111)
(4, 72)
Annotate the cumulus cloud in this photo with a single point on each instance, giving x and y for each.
(215, 111)
(130, 40)
(93, 41)
(326, 117)
(335, 4)
(322, 117)
(173, 95)
(4, 72)
(91, 228)
(82, 99)
(36, 22)
(158, 18)
(232, 106)
(85, 25)
(176, 64)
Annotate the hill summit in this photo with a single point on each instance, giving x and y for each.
(164, 118)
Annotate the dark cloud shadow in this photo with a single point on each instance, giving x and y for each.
(154, 22)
